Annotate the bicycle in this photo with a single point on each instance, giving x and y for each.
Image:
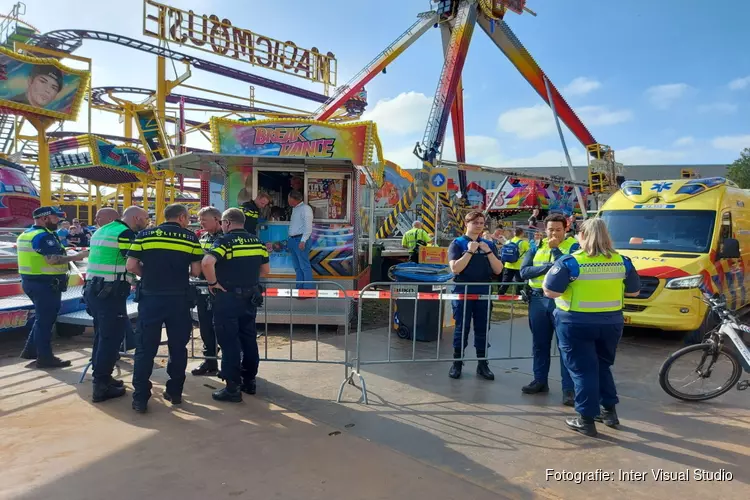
(712, 350)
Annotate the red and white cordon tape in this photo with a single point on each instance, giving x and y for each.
(375, 294)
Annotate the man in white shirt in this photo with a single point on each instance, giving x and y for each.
(300, 231)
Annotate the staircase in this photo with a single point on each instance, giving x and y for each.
(21, 34)
(7, 127)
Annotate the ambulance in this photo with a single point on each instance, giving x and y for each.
(685, 237)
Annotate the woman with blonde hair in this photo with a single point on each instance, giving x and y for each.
(589, 288)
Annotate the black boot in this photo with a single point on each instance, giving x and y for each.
(208, 367)
(103, 392)
(28, 353)
(248, 386)
(584, 425)
(140, 406)
(53, 362)
(608, 416)
(535, 387)
(483, 367)
(569, 398)
(455, 371)
(231, 394)
(175, 400)
(114, 382)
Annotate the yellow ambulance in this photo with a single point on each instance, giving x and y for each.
(683, 238)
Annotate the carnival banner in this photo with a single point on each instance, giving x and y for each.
(293, 139)
(395, 183)
(519, 193)
(38, 86)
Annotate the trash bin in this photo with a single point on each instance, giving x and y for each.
(428, 311)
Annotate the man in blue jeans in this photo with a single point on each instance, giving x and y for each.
(300, 231)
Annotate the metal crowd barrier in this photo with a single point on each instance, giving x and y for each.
(441, 291)
(329, 291)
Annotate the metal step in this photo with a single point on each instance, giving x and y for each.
(82, 318)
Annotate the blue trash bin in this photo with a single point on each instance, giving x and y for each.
(428, 311)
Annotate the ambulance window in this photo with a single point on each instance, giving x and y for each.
(726, 226)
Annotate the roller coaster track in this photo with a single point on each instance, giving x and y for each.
(70, 40)
(98, 94)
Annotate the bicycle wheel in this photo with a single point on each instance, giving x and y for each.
(705, 362)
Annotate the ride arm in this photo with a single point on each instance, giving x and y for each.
(424, 22)
(511, 46)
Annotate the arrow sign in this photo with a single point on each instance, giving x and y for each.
(438, 180)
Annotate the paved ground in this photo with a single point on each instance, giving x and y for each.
(423, 435)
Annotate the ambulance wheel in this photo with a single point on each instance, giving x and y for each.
(403, 332)
(696, 336)
(66, 331)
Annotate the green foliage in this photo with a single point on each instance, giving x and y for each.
(739, 171)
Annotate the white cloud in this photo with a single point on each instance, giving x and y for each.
(528, 123)
(739, 83)
(638, 155)
(663, 96)
(718, 107)
(684, 141)
(601, 115)
(537, 121)
(731, 142)
(406, 113)
(581, 86)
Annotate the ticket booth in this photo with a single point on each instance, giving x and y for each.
(331, 165)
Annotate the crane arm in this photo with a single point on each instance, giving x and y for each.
(455, 57)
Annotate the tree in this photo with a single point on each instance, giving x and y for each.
(739, 171)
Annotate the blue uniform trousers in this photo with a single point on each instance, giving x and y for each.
(542, 324)
(234, 323)
(476, 311)
(589, 352)
(173, 311)
(206, 325)
(46, 308)
(109, 315)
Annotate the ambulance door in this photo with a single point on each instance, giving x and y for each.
(732, 268)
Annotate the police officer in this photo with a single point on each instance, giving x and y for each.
(43, 266)
(251, 209)
(106, 292)
(588, 287)
(535, 266)
(511, 269)
(162, 256)
(233, 268)
(472, 260)
(414, 238)
(210, 219)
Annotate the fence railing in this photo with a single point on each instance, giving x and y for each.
(416, 317)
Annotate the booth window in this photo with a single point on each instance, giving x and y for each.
(329, 197)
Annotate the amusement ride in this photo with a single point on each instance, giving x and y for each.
(151, 164)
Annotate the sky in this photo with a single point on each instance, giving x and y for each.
(664, 82)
